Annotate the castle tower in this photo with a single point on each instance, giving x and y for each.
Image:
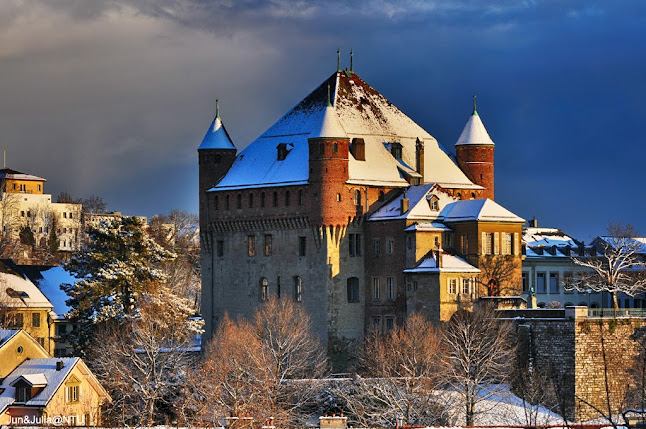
(474, 151)
(328, 162)
(215, 154)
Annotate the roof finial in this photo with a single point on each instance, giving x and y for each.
(328, 96)
(338, 59)
(217, 108)
(475, 112)
(351, 62)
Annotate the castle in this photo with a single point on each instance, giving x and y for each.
(350, 208)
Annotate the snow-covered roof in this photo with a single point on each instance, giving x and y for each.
(430, 226)
(330, 126)
(481, 210)
(216, 136)
(50, 285)
(534, 236)
(450, 264)
(19, 291)
(42, 369)
(6, 334)
(7, 173)
(362, 112)
(418, 205)
(474, 132)
(639, 243)
(35, 380)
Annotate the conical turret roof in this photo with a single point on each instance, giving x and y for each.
(474, 131)
(216, 137)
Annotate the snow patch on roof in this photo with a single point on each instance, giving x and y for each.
(481, 210)
(45, 367)
(474, 132)
(50, 286)
(449, 264)
(418, 203)
(534, 236)
(18, 291)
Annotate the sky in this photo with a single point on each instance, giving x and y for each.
(113, 97)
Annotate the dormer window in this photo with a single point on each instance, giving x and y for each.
(358, 149)
(434, 203)
(283, 150)
(396, 150)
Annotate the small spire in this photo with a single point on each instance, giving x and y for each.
(328, 96)
(475, 112)
(338, 59)
(351, 62)
(217, 108)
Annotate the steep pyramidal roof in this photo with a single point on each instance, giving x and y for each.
(330, 126)
(474, 131)
(216, 137)
(362, 112)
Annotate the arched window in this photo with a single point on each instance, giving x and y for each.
(298, 289)
(287, 199)
(264, 289)
(262, 199)
(459, 195)
(301, 199)
(357, 197)
(473, 195)
(275, 199)
(226, 202)
(568, 304)
(335, 147)
(250, 200)
(239, 203)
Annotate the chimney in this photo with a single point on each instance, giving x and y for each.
(60, 365)
(358, 149)
(404, 204)
(438, 252)
(419, 157)
(533, 223)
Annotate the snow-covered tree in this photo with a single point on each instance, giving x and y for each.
(116, 268)
(144, 366)
(620, 267)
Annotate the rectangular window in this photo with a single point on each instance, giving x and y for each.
(35, 320)
(354, 244)
(390, 323)
(376, 289)
(554, 283)
(568, 282)
(302, 246)
(22, 213)
(298, 289)
(453, 286)
(41, 341)
(466, 286)
(64, 215)
(507, 243)
(220, 248)
(268, 244)
(377, 246)
(16, 320)
(525, 282)
(540, 283)
(409, 283)
(447, 239)
(390, 286)
(71, 216)
(376, 324)
(262, 199)
(464, 243)
(251, 245)
(390, 246)
(72, 393)
(487, 243)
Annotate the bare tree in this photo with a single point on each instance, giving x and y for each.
(401, 371)
(481, 351)
(619, 269)
(9, 224)
(257, 367)
(499, 275)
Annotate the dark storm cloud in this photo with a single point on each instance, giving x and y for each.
(113, 97)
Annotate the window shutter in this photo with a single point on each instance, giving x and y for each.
(484, 244)
(515, 245)
(496, 243)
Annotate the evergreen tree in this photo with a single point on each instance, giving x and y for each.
(117, 269)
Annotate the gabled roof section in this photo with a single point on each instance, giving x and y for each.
(17, 290)
(478, 210)
(8, 173)
(450, 264)
(34, 380)
(217, 136)
(49, 281)
(361, 112)
(39, 369)
(419, 208)
(474, 132)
